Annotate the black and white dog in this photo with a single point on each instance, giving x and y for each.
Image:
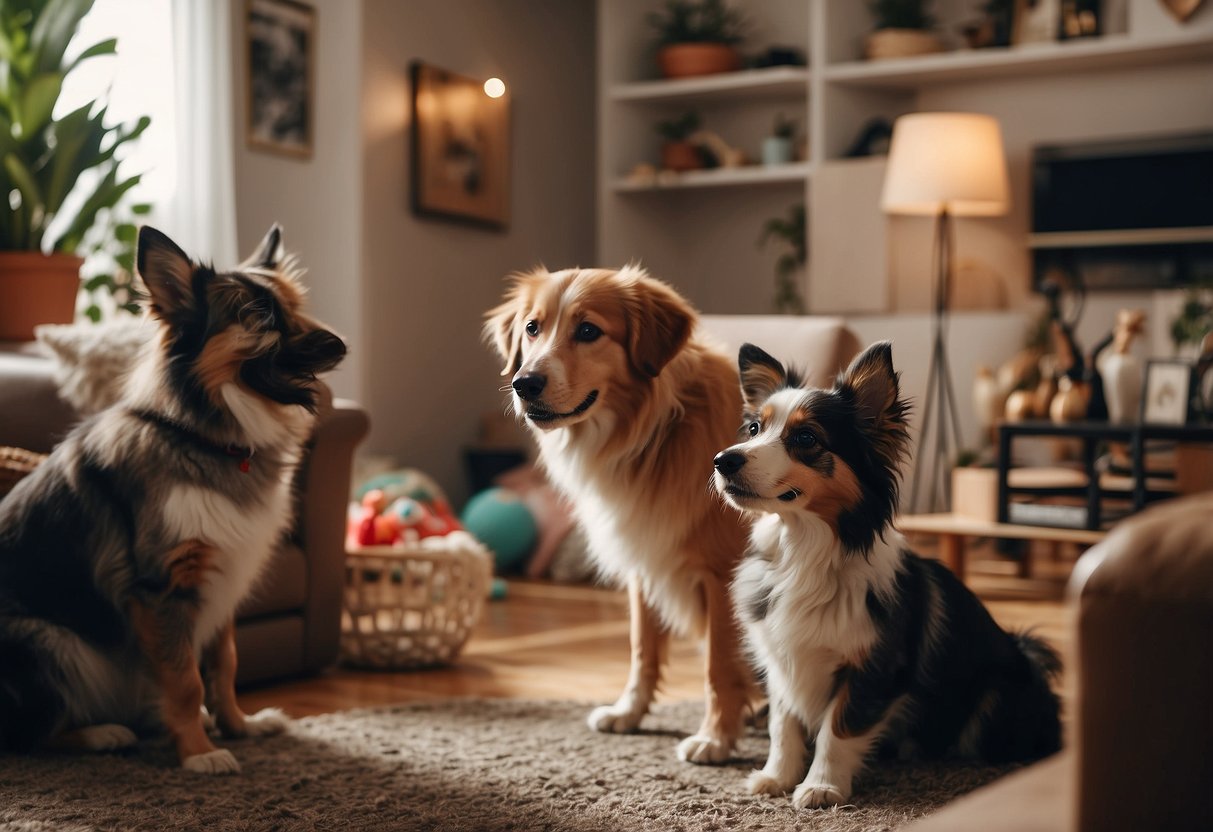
(123, 557)
(863, 644)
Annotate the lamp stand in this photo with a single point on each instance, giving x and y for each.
(940, 394)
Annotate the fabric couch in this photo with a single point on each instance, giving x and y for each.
(291, 624)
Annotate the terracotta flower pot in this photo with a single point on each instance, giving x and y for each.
(680, 156)
(900, 43)
(36, 288)
(685, 60)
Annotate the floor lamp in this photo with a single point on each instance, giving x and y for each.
(943, 165)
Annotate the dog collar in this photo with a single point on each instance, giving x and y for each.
(239, 452)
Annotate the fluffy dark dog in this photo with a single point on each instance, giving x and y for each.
(863, 644)
(123, 557)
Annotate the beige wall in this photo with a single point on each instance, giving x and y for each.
(318, 201)
(428, 283)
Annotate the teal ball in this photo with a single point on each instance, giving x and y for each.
(499, 519)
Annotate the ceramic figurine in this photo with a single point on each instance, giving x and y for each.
(1122, 369)
(1020, 406)
(1070, 403)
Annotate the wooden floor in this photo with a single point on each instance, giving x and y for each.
(550, 641)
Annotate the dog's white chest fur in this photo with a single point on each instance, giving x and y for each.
(814, 614)
(243, 537)
(629, 528)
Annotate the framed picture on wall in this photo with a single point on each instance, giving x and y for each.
(1036, 21)
(460, 148)
(280, 51)
(1166, 392)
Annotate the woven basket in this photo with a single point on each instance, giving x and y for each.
(15, 464)
(413, 606)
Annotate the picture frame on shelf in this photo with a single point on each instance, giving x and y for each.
(459, 148)
(1166, 392)
(1036, 21)
(280, 38)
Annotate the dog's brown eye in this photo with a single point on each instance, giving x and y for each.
(587, 332)
(753, 428)
(802, 439)
(532, 328)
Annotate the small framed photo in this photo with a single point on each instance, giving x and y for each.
(460, 153)
(280, 49)
(1036, 21)
(1166, 392)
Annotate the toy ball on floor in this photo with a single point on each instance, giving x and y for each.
(501, 521)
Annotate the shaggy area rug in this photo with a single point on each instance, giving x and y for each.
(455, 765)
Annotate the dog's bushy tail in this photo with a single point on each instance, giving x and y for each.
(31, 705)
(1040, 653)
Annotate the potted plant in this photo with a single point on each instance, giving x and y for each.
(677, 152)
(790, 231)
(697, 37)
(777, 147)
(902, 30)
(43, 159)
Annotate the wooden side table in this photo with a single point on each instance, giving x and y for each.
(953, 531)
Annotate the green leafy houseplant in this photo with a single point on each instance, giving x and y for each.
(901, 14)
(1195, 318)
(708, 21)
(790, 231)
(697, 37)
(44, 159)
(679, 129)
(677, 152)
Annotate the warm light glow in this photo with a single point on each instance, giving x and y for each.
(946, 160)
(494, 88)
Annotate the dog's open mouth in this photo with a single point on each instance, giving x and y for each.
(538, 413)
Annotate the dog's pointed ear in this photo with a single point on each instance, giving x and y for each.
(873, 384)
(659, 324)
(269, 253)
(502, 328)
(168, 274)
(761, 375)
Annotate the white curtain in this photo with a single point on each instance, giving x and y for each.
(201, 213)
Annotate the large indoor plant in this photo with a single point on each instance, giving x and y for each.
(697, 38)
(790, 231)
(44, 159)
(902, 29)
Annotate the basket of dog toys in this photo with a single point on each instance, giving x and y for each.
(416, 582)
(15, 465)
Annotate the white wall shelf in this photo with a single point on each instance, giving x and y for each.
(1111, 51)
(720, 177)
(772, 82)
(1135, 236)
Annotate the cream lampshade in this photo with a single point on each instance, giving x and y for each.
(952, 161)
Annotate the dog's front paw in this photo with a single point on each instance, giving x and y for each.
(266, 722)
(219, 761)
(107, 737)
(759, 782)
(704, 750)
(612, 719)
(817, 796)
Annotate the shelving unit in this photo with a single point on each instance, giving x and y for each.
(720, 178)
(772, 82)
(1148, 75)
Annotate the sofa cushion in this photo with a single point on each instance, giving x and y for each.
(819, 346)
(32, 416)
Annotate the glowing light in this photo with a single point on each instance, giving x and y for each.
(494, 88)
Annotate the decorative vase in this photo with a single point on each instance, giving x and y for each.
(1070, 403)
(36, 288)
(1021, 405)
(686, 60)
(776, 150)
(680, 156)
(884, 44)
(1122, 386)
(1121, 369)
(988, 401)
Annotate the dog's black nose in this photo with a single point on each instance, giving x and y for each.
(729, 462)
(530, 387)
